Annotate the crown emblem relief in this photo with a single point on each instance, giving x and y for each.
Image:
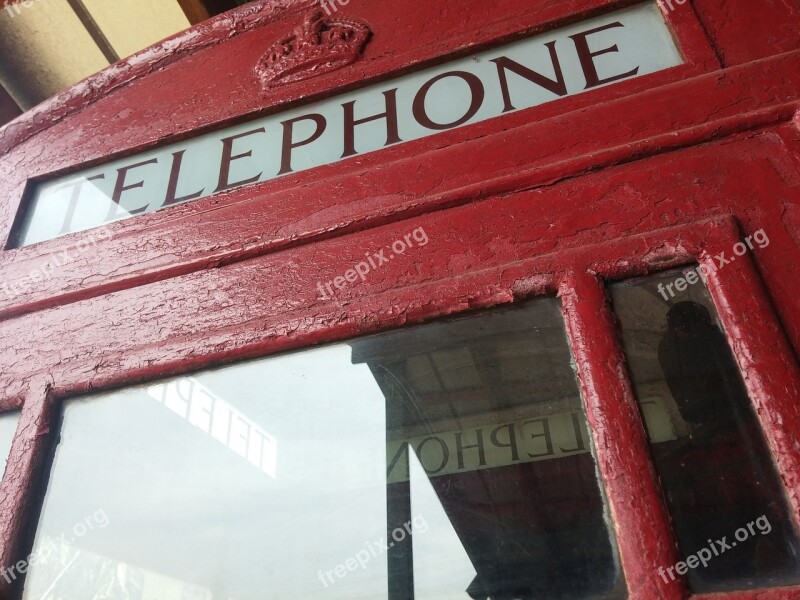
(320, 45)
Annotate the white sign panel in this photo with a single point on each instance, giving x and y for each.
(601, 51)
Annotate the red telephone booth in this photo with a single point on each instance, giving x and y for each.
(410, 300)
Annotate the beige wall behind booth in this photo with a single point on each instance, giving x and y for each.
(131, 25)
(45, 48)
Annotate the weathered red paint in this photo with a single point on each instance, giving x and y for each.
(621, 181)
(645, 538)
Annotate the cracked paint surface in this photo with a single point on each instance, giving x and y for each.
(614, 183)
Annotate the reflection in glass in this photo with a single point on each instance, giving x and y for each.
(716, 470)
(487, 439)
(8, 427)
(244, 483)
(439, 462)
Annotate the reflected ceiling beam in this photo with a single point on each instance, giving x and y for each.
(194, 10)
(94, 30)
(8, 107)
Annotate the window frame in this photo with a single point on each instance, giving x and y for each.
(643, 532)
(763, 355)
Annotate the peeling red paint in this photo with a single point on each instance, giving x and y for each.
(618, 182)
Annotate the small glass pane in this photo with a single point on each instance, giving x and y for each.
(728, 508)
(440, 462)
(8, 427)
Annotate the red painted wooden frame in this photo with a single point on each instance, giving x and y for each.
(640, 519)
(618, 182)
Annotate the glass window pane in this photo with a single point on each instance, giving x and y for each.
(495, 456)
(727, 504)
(241, 483)
(8, 427)
(315, 475)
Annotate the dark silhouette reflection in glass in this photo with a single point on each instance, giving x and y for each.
(717, 472)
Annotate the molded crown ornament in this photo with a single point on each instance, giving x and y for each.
(319, 46)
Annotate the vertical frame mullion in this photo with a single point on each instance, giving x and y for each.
(766, 361)
(18, 488)
(638, 512)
